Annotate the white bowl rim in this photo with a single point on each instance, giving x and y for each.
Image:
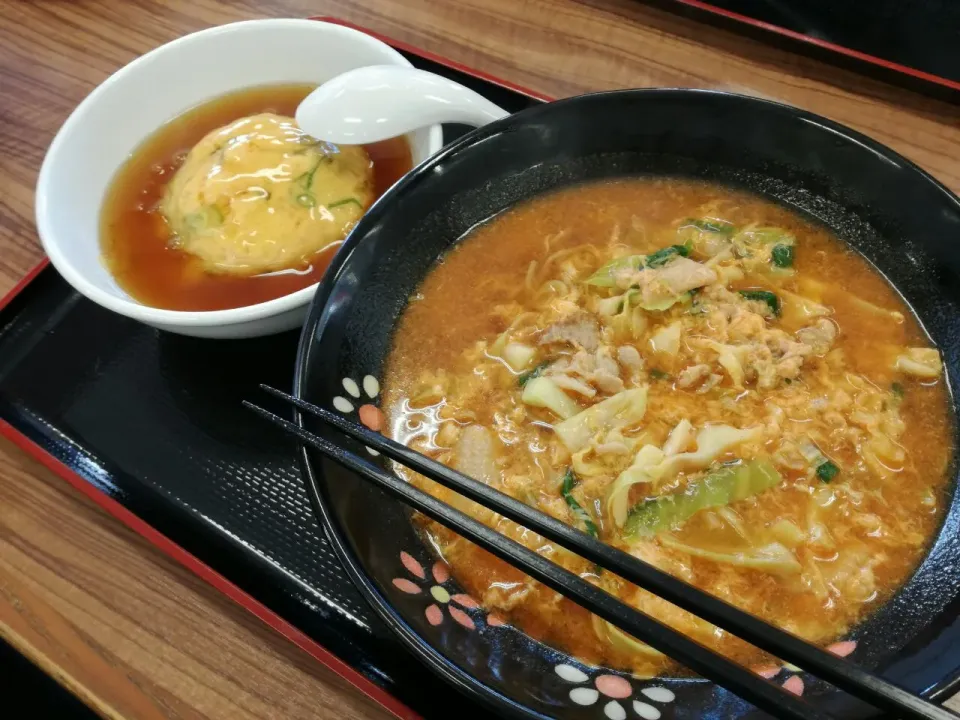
(129, 307)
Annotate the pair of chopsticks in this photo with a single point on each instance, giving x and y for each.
(762, 693)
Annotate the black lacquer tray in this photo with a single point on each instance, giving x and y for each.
(913, 45)
(150, 426)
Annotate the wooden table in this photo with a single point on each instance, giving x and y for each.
(130, 631)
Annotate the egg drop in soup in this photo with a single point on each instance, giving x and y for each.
(692, 374)
(231, 204)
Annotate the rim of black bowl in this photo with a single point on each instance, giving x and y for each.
(447, 669)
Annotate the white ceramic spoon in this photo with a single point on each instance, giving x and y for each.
(375, 103)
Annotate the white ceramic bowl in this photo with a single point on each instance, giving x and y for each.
(135, 101)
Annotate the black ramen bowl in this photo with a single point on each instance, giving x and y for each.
(898, 217)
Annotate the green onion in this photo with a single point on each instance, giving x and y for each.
(566, 489)
(763, 296)
(306, 180)
(207, 217)
(605, 276)
(898, 389)
(345, 201)
(306, 199)
(721, 227)
(827, 471)
(825, 468)
(529, 375)
(659, 374)
(782, 256)
(767, 236)
(660, 257)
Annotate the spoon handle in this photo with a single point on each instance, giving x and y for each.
(374, 103)
(454, 103)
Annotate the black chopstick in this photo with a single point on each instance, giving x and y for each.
(749, 686)
(786, 646)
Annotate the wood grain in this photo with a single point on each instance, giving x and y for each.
(131, 632)
(125, 628)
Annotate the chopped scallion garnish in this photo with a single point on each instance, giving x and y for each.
(346, 201)
(566, 489)
(714, 226)
(764, 296)
(782, 255)
(660, 257)
(529, 375)
(827, 471)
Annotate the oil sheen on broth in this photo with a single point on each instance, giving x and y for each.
(698, 376)
(149, 214)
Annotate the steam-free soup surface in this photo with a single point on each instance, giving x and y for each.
(695, 375)
(148, 228)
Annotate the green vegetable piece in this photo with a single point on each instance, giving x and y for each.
(659, 374)
(566, 489)
(748, 242)
(827, 471)
(532, 373)
(660, 257)
(767, 236)
(605, 276)
(625, 408)
(306, 200)
(206, 217)
(543, 392)
(764, 296)
(782, 256)
(608, 307)
(661, 305)
(723, 486)
(518, 356)
(898, 389)
(345, 201)
(722, 227)
(306, 180)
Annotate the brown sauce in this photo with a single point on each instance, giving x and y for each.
(135, 237)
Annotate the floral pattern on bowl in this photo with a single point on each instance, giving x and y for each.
(615, 691)
(370, 415)
(457, 603)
